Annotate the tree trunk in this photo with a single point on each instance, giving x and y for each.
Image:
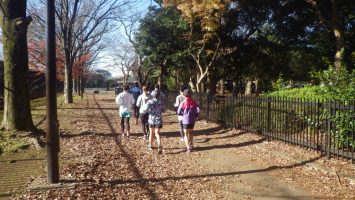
(222, 87)
(75, 86)
(212, 84)
(17, 111)
(68, 84)
(339, 37)
(248, 88)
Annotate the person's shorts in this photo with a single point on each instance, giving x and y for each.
(155, 125)
(125, 114)
(188, 126)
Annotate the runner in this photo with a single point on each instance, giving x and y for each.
(142, 100)
(189, 110)
(136, 91)
(125, 101)
(155, 108)
(180, 98)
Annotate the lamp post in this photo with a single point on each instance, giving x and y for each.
(51, 97)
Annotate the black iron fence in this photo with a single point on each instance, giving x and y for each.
(325, 126)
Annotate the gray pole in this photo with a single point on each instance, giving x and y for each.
(52, 126)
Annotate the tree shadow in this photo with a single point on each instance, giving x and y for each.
(204, 140)
(87, 133)
(130, 159)
(225, 146)
(194, 177)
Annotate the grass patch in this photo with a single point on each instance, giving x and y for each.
(11, 142)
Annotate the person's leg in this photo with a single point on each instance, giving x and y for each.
(122, 126)
(181, 131)
(151, 135)
(128, 127)
(143, 126)
(157, 135)
(191, 138)
(136, 113)
(186, 139)
(146, 125)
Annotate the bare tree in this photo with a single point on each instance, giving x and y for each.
(124, 59)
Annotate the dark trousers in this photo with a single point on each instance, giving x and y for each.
(144, 123)
(125, 122)
(136, 111)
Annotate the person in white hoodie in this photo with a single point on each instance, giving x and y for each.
(144, 115)
(125, 101)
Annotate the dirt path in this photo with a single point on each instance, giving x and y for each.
(224, 166)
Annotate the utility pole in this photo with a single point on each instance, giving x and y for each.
(51, 97)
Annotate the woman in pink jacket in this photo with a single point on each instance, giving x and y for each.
(189, 110)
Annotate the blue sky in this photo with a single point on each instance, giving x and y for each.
(141, 8)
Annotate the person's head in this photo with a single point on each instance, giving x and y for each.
(145, 89)
(156, 94)
(126, 87)
(182, 88)
(136, 83)
(187, 93)
(156, 86)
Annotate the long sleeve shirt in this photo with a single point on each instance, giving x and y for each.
(125, 101)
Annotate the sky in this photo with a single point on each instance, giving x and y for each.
(120, 37)
(140, 7)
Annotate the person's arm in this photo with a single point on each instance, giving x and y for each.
(118, 100)
(179, 110)
(139, 101)
(176, 104)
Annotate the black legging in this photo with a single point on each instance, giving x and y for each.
(125, 120)
(144, 123)
(136, 111)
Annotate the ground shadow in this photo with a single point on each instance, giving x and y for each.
(224, 146)
(202, 176)
(130, 160)
(87, 133)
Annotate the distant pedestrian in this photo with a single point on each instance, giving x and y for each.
(180, 98)
(189, 110)
(125, 101)
(135, 91)
(144, 115)
(155, 108)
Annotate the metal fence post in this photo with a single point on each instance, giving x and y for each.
(268, 126)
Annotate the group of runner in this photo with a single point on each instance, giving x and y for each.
(149, 106)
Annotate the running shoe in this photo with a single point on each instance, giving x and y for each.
(160, 150)
(150, 148)
(189, 150)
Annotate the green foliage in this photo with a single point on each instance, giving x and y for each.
(339, 84)
(309, 92)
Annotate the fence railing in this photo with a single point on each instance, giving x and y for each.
(325, 126)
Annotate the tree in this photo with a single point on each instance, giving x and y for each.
(205, 19)
(161, 39)
(338, 16)
(14, 24)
